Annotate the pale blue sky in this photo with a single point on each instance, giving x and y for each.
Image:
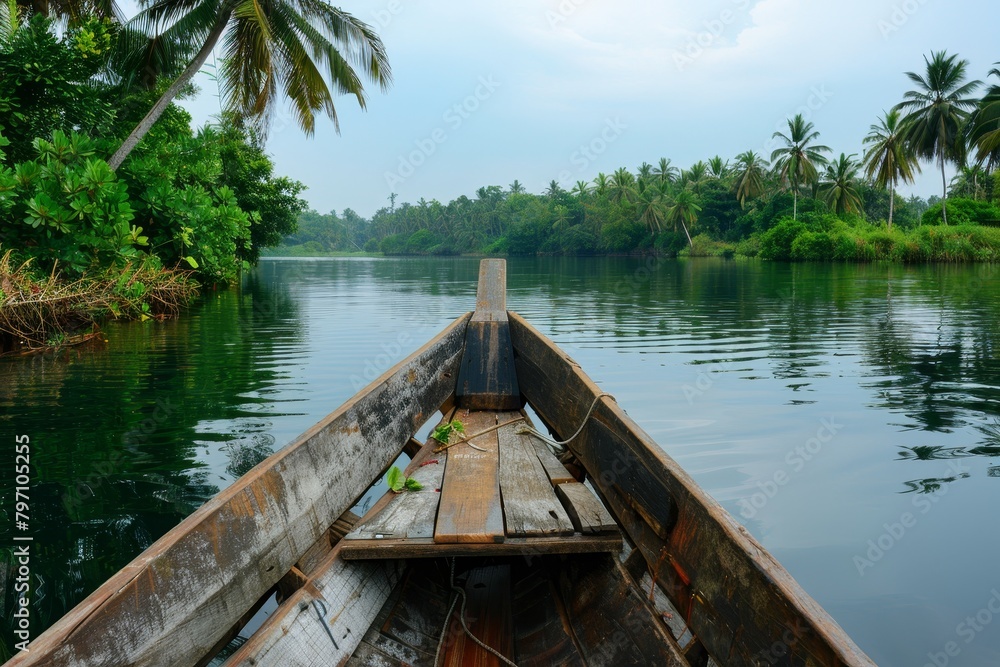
(550, 89)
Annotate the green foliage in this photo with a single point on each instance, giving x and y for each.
(398, 482)
(272, 203)
(776, 243)
(443, 432)
(962, 212)
(45, 83)
(66, 205)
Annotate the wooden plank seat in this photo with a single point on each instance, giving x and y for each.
(493, 494)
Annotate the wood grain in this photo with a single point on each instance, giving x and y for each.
(738, 599)
(557, 472)
(172, 603)
(487, 380)
(586, 511)
(530, 505)
(470, 507)
(526, 547)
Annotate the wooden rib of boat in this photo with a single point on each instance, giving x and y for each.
(607, 555)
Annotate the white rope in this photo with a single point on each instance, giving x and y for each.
(554, 446)
(459, 593)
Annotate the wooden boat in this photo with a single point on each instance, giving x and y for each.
(609, 555)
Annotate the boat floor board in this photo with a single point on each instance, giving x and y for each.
(470, 509)
(499, 501)
(588, 513)
(530, 505)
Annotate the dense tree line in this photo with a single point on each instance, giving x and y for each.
(842, 207)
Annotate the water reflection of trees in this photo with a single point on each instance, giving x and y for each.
(116, 431)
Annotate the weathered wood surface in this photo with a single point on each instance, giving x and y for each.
(172, 603)
(470, 509)
(557, 472)
(409, 514)
(542, 633)
(488, 615)
(738, 600)
(611, 621)
(586, 511)
(487, 380)
(324, 621)
(512, 546)
(530, 505)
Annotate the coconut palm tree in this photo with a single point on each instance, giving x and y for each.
(602, 185)
(936, 111)
(305, 50)
(581, 190)
(695, 177)
(554, 190)
(622, 186)
(684, 210)
(749, 173)
(650, 204)
(984, 127)
(718, 168)
(645, 172)
(841, 187)
(888, 159)
(797, 161)
(664, 171)
(516, 188)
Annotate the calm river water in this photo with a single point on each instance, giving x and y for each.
(849, 416)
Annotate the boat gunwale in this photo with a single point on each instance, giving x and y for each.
(666, 564)
(143, 628)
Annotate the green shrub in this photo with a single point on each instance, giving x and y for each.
(776, 243)
(962, 212)
(812, 246)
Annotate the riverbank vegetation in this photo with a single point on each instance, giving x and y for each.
(98, 219)
(799, 202)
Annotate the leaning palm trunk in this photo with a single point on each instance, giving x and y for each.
(892, 202)
(175, 88)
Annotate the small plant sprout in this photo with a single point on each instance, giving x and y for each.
(444, 432)
(398, 482)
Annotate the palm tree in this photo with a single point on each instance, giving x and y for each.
(888, 159)
(581, 189)
(984, 126)
(602, 184)
(684, 210)
(717, 167)
(516, 188)
(749, 172)
(554, 190)
(305, 49)
(665, 171)
(650, 205)
(622, 185)
(840, 189)
(696, 176)
(645, 171)
(936, 111)
(967, 183)
(797, 161)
